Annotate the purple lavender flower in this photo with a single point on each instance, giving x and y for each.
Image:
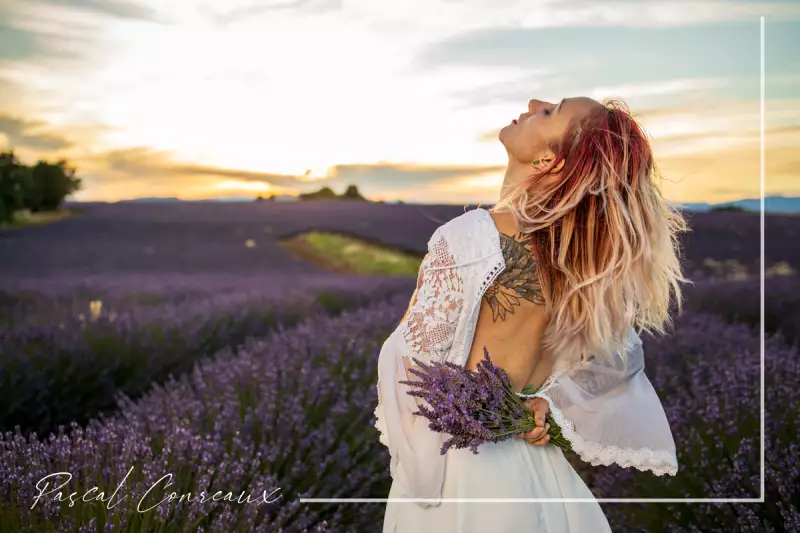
(473, 406)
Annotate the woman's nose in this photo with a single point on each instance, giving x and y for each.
(534, 104)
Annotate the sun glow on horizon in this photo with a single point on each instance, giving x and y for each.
(241, 185)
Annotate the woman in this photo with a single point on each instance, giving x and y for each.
(580, 250)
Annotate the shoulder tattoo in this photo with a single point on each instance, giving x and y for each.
(518, 281)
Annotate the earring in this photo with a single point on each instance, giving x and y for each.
(535, 161)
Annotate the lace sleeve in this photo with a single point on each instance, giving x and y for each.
(612, 414)
(426, 333)
(433, 317)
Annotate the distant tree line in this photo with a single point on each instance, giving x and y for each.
(39, 187)
(729, 208)
(326, 193)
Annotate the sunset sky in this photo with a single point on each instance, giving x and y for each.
(405, 99)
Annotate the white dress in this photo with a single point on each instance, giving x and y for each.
(609, 413)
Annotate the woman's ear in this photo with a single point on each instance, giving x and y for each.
(544, 161)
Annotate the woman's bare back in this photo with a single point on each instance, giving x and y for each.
(512, 317)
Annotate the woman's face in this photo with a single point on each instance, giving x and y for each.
(527, 137)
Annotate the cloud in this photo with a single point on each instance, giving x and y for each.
(28, 134)
(17, 44)
(281, 180)
(441, 17)
(666, 13)
(62, 33)
(779, 135)
(124, 9)
(405, 173)
(493, 47)
(516, 90)
(260, 8)
(21, 44)
(707, 146)
(618, 56)
(30, 33)
(146, 164)
(697, 177)
(658, 88)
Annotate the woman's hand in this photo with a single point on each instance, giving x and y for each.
(537, 436)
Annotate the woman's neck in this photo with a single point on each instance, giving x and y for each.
(516, 173)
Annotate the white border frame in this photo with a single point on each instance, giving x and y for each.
(632, 500)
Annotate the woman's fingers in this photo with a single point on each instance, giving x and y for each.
(539, 407)
(541, 442)
(536, 434)
(540, 414)
(539, 436)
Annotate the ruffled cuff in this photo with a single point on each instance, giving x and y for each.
(659, 462)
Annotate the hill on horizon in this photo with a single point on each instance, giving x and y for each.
(772, 204)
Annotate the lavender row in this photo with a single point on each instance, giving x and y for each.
(740, 301)
(49, 300)
(58, 371)
(289, 415)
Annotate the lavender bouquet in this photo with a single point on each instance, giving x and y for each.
(474, 406)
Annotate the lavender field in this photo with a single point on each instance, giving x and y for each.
(141, 340)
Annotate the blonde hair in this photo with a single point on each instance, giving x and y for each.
(604, 238)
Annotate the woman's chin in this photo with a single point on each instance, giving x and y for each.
(503, 131)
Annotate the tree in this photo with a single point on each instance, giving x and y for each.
(14, 178)
(50, 184)
(42, 187)
(325, 193)
(352, 193)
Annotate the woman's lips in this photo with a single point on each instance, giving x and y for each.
(514, 121)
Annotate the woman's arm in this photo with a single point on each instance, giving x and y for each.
(420, 274)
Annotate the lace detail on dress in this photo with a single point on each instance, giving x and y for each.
(431, 323)
(660, 462)
(491, 276)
